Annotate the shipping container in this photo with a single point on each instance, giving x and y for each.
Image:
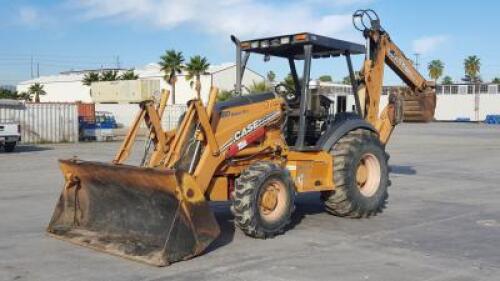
(86, 111)
(128, 91)
(44, 122)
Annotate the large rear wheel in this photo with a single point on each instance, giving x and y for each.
(263, 200)
(361, 176)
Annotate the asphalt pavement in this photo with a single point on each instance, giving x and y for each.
(442, 221)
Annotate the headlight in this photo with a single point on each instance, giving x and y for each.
(254, 44)
(264, 44)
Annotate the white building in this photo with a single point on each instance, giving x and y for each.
(65, 87)
(68, 87)
(454, 102)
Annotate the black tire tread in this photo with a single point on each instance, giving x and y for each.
(10, 147)
(339, 202)
(244, 207)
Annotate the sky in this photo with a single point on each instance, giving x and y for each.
(85, 34)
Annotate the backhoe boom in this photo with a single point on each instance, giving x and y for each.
(382, 50)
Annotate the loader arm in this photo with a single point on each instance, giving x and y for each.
(382, 50)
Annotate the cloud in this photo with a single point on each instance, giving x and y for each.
(34, 17)
(242, 17)
(28, 16)
(426, 45)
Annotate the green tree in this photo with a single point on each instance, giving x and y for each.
(196, 67)
(472, 67)
(7, 94)
(24, 96)
(288, 81)
(259, 87)
(36, 90)
(171, 65)
(224, 95)
(129, 75)
(346, 80)
(271, 76)
(90, 77)
(496, 80)
(325, 78)
(109, 75)
(447, 80)
(435, 68)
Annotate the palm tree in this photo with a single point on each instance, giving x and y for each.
(224, 95)
(472, 66)
(110, 75)
(435, 68)
(288, 81)
(259, 87)
(37, 90)
(24, 96)
(129, 75)
(90, 77)
(271, 76)
(171, 65)
(447, 80)
(196, 67)
(347, 79)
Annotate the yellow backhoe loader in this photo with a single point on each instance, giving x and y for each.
(257, 150)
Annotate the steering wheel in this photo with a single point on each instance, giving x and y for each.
(287, 92)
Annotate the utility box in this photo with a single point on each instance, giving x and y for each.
(125, 91)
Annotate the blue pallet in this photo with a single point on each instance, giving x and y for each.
(492, 119)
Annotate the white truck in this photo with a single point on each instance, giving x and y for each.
(10, 135)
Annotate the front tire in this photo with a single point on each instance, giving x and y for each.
(361, 176)
(10, 146)
(263, 200)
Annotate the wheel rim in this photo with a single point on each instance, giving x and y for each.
(368, 174)
(272, 201)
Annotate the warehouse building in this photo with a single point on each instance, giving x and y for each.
(454, 102)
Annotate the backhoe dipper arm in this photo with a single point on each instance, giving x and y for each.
(403, 67)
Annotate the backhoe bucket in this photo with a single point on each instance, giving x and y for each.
(149, 215)
(419, 108)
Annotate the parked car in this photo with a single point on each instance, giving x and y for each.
(10, 135)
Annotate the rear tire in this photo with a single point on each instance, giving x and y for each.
(263, 200)
(361, 176)
(10, 146)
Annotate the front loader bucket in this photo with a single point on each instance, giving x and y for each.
(137, 213)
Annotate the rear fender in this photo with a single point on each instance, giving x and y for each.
(340, 129)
